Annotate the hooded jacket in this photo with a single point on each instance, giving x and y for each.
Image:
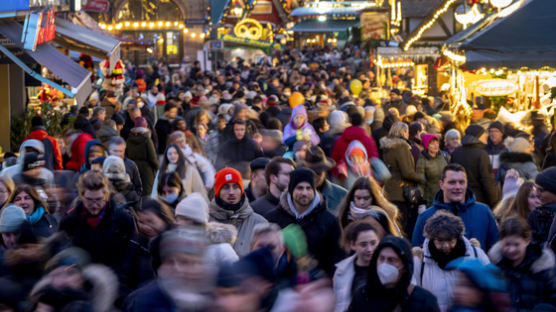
(163, 128)
(321, 229)
(39, 133)
(430, 168)
(532, 282)
(78, 151)
(236, 152)
(140, 149)
(291, 131)
(474, 158)
(244, 219)
(351, 134)
(438, 281)
(86, 165)
(12, 171)
(397, 157)
(478, 219)
(409, 298)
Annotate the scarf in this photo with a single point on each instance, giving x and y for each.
(356, 213)
(36, 215)
(227, 206)
(93, 221)
(441, 258)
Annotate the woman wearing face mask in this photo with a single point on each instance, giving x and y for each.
(175, 161)
(528, 268)
(42, 223)
(170, 189)
(351, 273)
(444, 242)
(389, 285)
(365, 194)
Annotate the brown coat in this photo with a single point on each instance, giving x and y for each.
(397, 157)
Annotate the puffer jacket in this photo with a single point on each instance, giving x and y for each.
(244, 219)
(430, 169)
(522, 162)
(532, 282)
(397, 157)
(343, 278)
(474, 158)
(439, 282)
(478, 219)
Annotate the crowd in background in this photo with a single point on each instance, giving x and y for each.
(279, 185)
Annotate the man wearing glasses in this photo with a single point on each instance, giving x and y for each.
(96, 225)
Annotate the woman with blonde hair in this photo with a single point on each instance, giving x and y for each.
(7, 187)
(526, 200)
(366, 195)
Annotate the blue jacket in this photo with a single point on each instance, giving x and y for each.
(149, 298)
(478, 219)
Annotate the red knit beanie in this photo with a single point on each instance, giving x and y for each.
(227, 175)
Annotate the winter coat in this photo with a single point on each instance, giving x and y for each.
(350, 134)
(533, 281)
(244, 219)
(125, 195)
(105, 134)
(473, 157)
(78, 151)
(430, 170)
(163, 129)
(205, 167)
(106, 243)
(134, 175)
(86, 165)
(333, 194)
(292, 133)
(192, 182)
(522, 162)
(328, 140)
(220, 250)
(237, 153)
(494, 153)
(321, 228)
(397, 157)
(140, 149)
(149, 298)
(540, 220)
(265, 204)
(439, 282)
(343, 278)
(400, 105)
(46, 226)
(40, 134)
(11, 171)
(478, 219)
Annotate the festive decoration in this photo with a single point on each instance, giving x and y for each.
(355, 87)
(296, 99)
(113, 80)
(500, 3)
(248, 28)
(49, 94)
(443, 9)
(470, 17)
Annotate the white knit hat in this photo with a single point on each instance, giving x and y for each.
(193, 207)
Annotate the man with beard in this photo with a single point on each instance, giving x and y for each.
(183, 277)
(304, 206)
(277, 176)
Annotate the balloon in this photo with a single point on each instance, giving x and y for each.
(355, 86)
(296, 99)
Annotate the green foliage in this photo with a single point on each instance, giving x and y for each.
(21, 126)
(496, 102)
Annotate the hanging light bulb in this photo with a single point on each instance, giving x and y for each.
(322, 18)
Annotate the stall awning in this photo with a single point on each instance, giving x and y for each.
(48, 56)
(326, 26)
(217, 9)
(305, 11)
(87, 41)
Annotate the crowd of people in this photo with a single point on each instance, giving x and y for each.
(276, 186)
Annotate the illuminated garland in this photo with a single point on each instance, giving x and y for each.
(429, 24)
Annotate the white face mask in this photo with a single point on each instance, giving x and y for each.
(170, 198)
(387, 273)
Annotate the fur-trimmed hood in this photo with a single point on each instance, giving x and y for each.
(219, 233)
(389, 143)
(544, 261)
(515, 157)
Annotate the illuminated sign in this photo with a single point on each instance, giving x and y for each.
(39, 28)
(494, 87)
(254, 43)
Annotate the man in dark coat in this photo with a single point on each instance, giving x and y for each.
(304, 206)
(388, 292)
(474, 158)
(277, 176)
(163, 125)
(97, 226)
(495, 145)
(257, 185)
(117, 147)
(238, 151)
(541, 219)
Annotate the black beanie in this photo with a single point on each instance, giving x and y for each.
(301, 175)
(475, 130)
(547, 180)
(37, 122)
(496, 125)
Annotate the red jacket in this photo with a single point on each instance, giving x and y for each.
(40, 134)
(78, 152)
(350, 134)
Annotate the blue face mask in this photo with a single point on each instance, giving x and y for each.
(170, 198)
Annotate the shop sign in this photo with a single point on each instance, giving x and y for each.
(373, 25)
(216, 44)
(100, 6)
(14, 5)
(250, 42)
(494, 87)
(39, 28)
